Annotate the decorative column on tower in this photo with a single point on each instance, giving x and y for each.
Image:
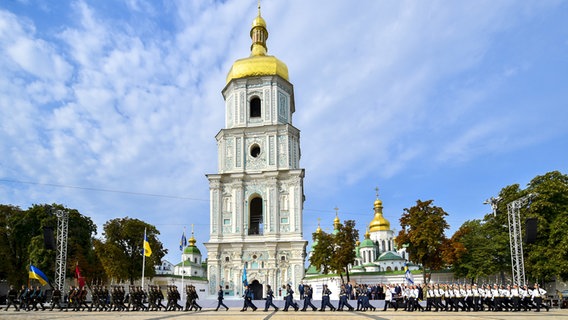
(257, 196)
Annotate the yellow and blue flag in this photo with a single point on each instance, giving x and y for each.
(183, 242)
(408, 275)
(147, 249)
(35, 273)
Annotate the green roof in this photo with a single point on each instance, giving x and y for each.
(389, 256)
(312, 270)
(367, 243)
(188, 263)
(191, 250)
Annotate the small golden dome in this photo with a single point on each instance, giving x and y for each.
(258, 63)
(192, 241)
(258, 22)
(379, 223)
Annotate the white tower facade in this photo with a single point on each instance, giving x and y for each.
(257, 196)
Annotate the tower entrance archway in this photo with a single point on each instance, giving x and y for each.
(256, 288)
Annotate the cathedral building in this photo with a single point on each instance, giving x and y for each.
(257, 195)
(378, 251)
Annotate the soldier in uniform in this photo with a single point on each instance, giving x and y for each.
(12, 298)
(248, 300)
(325, 299)
(269, 297)
(194, 298)
(83, 299)
(289, 299)
(221, 296)
(537, 294)
(343, 299)
(366, 300)
(56, 299)
(390, 299)
(438, 294)
(23, 296)
(308, 295)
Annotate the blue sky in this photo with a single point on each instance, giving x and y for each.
(449, 101)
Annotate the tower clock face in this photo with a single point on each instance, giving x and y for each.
(255, 150)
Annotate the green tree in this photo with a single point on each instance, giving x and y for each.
(423, 227)
(121, 251)
(22, 239)
(547, 258)
(334, 252)
(14, 241)
(322, 253)
(482, 251)
(487, 241)
(344, 254)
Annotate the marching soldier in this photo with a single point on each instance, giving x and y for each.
(343, 299)
(308, 295)
(220, 297)
(248, 300)
(325, 299)
(289, 302)
(270, 296)
(12, 298)
(56, 299)
(537, 294)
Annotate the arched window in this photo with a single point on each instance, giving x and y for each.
(255, 217)
(255, 107)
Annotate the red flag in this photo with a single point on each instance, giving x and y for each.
(80, 280)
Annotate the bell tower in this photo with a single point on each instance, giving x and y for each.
(257, 196)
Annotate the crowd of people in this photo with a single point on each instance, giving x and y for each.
(430, 297)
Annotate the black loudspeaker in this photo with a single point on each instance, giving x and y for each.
(531, 230)
(48, 239)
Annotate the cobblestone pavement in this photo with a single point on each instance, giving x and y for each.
(234, 313)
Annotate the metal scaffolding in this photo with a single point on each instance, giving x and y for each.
(61, 259)
(516, 239)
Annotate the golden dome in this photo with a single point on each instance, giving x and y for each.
(192, 241)
(379, 223)
(258, 63)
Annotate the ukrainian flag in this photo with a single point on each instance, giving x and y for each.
(147, 249)
(35, 273)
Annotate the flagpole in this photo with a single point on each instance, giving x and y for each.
(143, 257)
(182, 263)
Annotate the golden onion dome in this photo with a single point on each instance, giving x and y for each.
(258, 63)
(379, 223)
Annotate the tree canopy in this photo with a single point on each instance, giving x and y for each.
(486, 241)
(335, 252)
(22, 241)
(423, 227)
(122, 249)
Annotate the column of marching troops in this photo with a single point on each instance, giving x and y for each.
(103, 299)
(437, 297)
